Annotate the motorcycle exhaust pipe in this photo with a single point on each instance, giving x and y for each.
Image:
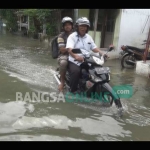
(57, 79)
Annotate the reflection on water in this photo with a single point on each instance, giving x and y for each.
(26, 66)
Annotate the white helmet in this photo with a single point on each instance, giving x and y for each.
(83, 21)
(66, 19)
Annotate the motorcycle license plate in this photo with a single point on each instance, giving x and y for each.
(102, 70)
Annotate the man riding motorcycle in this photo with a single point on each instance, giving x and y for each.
(80, 39)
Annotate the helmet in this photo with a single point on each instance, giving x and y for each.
(66, 19)
(83, 20)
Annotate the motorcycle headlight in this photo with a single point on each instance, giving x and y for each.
(98, 60)
(96, 79)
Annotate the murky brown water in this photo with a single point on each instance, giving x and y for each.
(26, 66)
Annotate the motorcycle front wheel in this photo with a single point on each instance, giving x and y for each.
(106, 96)
(109, 95)
(107, 99)
(128, 61)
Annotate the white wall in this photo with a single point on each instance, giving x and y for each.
(97, 37)
(131, 27)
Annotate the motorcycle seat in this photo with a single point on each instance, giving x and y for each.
(136, 49)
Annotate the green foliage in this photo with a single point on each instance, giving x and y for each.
(36, 15)
(29, 12)
(43, 16)
(51, 29)
(40, 14)
(32, 29)
(10, 17)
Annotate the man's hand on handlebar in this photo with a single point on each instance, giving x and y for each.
(79, 58)
(106, 56)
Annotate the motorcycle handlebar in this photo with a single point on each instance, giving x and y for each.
(111, 47)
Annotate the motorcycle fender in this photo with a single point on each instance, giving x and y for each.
(108, 88)
(124, 55)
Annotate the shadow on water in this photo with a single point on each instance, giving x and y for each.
(26, 66)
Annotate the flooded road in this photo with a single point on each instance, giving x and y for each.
(26, 66)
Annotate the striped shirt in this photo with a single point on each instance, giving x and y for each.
(61, 40)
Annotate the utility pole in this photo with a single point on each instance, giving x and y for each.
(75, 14)
(20, 23)
(1, 24)
(147, 47)
(95, 23)
(28, 23)
(44, 26)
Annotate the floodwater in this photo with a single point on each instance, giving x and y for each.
(26, 66)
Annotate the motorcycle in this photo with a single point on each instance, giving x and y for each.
(98, 76)
(132, 54)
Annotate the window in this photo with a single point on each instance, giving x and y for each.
(110, 26)
(100, 19)
(91, 18)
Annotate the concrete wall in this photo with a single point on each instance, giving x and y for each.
(131, 27)
(117, 30)
(97, 37)
(83, 13)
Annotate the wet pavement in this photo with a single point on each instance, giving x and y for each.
(26, 66)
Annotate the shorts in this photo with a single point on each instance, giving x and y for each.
(63, 62)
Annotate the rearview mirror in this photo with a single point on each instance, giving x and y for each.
(111, 47)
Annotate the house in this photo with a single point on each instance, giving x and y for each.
(108, 26)
(23, 21)
(118, 27)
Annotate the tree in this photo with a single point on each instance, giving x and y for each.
(10, 17)
(46, 18)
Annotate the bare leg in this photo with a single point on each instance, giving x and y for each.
(61, 86)
(63, 69)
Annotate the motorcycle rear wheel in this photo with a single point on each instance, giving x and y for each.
(126, 57)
